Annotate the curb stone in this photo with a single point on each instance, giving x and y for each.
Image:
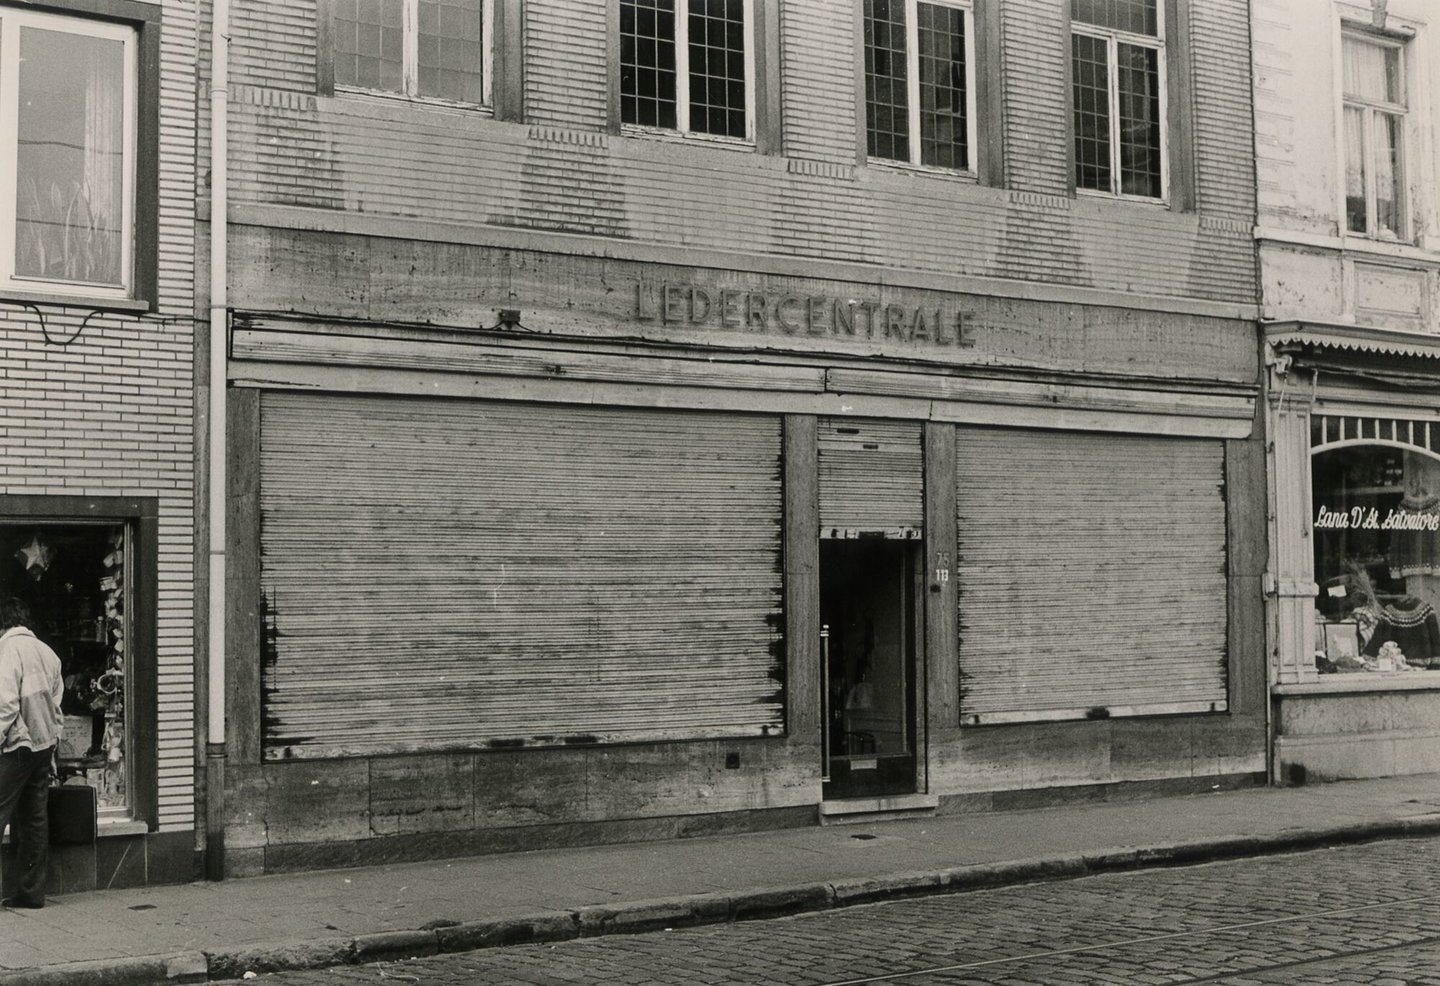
(149, 970)
(715, 908)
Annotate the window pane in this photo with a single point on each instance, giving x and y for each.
(943, 111)
(1135, 16)
(717, 63)
(1376, 513)
(1389, 176)
(1372, 71)
(70, 199)
(887, 106)
(647, 62)
(1092, 112)
(449, 50)
(1355, 170)
(1139, 83)
(369, 44)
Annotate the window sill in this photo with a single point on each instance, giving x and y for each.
(688, 137)
(1364, 681)
(383, 98)
(928, 170)
(133, 306)
(1350, 243)
(109, 828)
(105, 828)
(1095, 195)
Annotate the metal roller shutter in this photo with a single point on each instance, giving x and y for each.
(458, 575)
(871, 477)
(1091, 575)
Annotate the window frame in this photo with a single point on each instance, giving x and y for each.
(410, 59)
(912, 93)
(682, 130)
(141, 22)
(1113, 38)
(140, 518)
(1371, 110)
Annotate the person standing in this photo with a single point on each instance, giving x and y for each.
(30, 725)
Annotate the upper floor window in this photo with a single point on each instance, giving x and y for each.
(1118, 86)
(67, 153)
(687, 65)
(1374, 123)
(920, 82)
(425, 49)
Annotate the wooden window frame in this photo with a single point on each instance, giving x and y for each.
(141, 515)
(762, 82)
(912, 83)
(1370, 139)
(502, 40)
(140, 290)
(1113, 38)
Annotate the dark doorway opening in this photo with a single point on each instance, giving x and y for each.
(870, 629)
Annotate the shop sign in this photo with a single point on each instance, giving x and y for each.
(1369, 519)
(762, 312)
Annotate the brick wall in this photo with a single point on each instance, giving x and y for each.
(110, 413)
(563, 172)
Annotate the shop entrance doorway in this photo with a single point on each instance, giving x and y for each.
(869, 641)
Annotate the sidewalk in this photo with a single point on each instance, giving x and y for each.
(206, 931)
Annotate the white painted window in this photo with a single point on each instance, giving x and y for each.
(920, 82)
(1374, 110)
(688, 66)
(67, 154)
(422, 49)
(1118, 90)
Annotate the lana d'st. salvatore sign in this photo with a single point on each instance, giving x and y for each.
(768, 312)
(1370, 519)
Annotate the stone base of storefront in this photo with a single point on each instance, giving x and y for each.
(1117, 791)
(118, 858)
(1339, 729)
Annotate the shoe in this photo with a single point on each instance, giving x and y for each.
(17, 902)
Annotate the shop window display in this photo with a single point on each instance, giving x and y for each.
(74, 577)
(1377, 559)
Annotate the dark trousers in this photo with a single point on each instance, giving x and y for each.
(24, 797)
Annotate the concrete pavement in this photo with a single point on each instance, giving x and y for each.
(204, 931)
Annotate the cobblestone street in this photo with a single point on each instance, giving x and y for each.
(1364, 915)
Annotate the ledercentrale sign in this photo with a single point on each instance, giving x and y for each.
(772, 313)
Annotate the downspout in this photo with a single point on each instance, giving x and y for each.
(219, 375)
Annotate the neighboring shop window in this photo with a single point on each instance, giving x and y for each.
(75, 578)
(920, 82)
(67, 153)
(1376, 518)
(1374, 71)
(426, 49)
(686, 65)
(1118, 75)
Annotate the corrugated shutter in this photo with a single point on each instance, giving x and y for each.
(459, 574)
(871, 477)
(1091, 575)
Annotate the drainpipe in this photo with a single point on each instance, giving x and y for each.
(219, 374)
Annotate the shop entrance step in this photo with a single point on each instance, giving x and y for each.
(850, 811)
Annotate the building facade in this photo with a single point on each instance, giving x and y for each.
(97, 233)
(1346, 131)
(651, 418)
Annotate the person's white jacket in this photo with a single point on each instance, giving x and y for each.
(30, 690)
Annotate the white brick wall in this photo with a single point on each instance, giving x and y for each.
(110, 414)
